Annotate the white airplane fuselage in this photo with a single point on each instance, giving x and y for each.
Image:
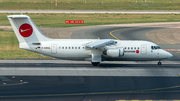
(94, 50)
(74, 49)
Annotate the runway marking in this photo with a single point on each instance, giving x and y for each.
(14, 84)
(155, 90)
(115, 31)
(135, 100)
(98, 93)
(148, 100)
(113, 35)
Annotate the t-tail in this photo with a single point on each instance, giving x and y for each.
(26, 31)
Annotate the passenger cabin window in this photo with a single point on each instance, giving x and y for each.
(59, 47)
(75, 47)
(69, 47)
(72, 47)
(131, 47)
(62, 47)
(78, 47)
(66, 47)
(128, 47)
(124, 47)
(138, 48)
(134, 47)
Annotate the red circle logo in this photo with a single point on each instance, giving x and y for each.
(25, 30)
(137, 51)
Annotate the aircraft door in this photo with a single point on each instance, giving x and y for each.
(54, 49)
(143, 49)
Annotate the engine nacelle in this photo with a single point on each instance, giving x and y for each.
(114, 52)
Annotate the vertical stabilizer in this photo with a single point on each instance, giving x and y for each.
(25, 29)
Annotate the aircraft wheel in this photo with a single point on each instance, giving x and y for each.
(95, 63)
(159, 63)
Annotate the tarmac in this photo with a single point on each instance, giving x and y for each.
(81, 68)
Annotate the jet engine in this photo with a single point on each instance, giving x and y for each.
(114, 52)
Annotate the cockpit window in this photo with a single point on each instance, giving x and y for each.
(158, 47)
(155, 47)
(152, 47)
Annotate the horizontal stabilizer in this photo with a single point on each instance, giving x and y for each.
(18, 16)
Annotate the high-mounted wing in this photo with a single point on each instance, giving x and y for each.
(100, 43)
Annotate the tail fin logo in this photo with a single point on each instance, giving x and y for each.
(25, 30)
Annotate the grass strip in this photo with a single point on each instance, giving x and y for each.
(90, 5)
(9, 47)
(58, 20)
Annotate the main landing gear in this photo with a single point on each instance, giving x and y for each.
(95, 63)
(159, 63)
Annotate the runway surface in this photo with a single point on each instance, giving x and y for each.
(90, 88)
(81, 68)
(110, 81)
(89, 11)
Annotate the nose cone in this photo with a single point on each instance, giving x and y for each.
(166, 54)
(169, 55)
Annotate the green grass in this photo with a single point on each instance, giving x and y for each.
(9, 47)
(91, 1)
(58, 20)
(90, 5)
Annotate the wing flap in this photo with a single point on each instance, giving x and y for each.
(99, 43)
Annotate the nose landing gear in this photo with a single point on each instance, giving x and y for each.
(159, 63)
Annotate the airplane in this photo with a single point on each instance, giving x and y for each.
(94, 50)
